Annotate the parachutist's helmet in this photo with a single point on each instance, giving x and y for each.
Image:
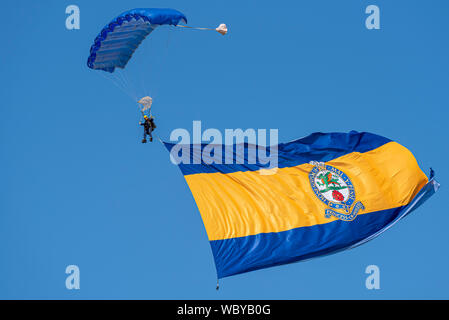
(145, 117)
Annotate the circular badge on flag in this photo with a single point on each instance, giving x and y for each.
(332, 186)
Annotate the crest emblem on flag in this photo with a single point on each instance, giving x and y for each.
(334, 188)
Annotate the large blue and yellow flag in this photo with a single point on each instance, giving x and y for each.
(328, 192)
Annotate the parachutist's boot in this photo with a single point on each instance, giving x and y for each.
(151, 139)
(144, 140)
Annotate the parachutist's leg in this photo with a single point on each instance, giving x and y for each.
(144, 140)
(151, 136)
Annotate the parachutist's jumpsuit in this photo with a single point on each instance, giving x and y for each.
(148, 126)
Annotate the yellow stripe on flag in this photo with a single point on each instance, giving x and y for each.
(240, 204)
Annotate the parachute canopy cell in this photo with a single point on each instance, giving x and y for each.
(117, 41)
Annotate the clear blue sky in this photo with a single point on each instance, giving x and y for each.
(79, 188)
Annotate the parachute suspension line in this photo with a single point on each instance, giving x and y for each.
(129, 86)
(134, 88)
(117, 75)
(142, 79)
(143, 87)
(116, 82)
(162, 62)
(142, 84)
(196, 28)
(119, 82)
(222, 29)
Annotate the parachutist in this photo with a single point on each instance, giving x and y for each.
(148, 128)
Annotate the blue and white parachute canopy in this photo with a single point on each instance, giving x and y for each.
(118, 40)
